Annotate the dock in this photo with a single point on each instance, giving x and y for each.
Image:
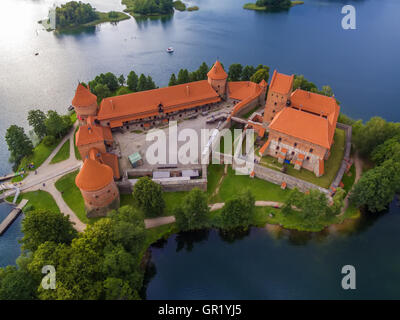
(12, 216)
(7, 177)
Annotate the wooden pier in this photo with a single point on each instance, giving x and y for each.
(12, 216)
(7, 177)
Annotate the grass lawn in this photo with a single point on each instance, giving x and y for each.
(40, 200)
(332, 165)
(40, 153)
(77, 154)
(172, 199)
(72, 196)
(232, 184)
(62, 154)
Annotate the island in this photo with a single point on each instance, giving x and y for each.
(271, 5)
(180, 6)
(148, 8)
(75, 14)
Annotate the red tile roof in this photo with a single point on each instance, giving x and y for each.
(93, 175)
(314, 102)
(217, 72)
(263, 148)
(304, 126)
(83, 97)
(87, 134)
(281, 83)
(146, 103)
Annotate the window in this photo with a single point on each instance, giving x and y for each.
(295, 144)
(280, 139)
(311, 150)
(272, 118)
(275, 103)
(292, 153)
(308, 158)
(273, 111)
(108, 191)
(277, 148)
(96, 197)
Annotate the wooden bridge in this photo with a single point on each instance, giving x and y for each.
(12, 216)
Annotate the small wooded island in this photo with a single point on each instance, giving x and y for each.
(271, 5)
(75, 14)
(154, 8)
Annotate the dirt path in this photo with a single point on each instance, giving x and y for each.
(156, 222)
(220, 205)
(220, 182)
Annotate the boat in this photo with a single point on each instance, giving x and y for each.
(170, 49)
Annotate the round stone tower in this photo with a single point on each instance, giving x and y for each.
(96, 183)
(217, 78)
(84, 103)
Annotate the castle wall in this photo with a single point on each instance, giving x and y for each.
(275, 103)
(97, 203)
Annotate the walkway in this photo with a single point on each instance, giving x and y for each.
(220, 205)
(12, 216)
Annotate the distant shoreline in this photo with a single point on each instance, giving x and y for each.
(253, 6)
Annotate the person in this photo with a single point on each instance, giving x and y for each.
(35, 171)
(44, 184)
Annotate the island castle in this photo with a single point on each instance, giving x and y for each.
(300, 124)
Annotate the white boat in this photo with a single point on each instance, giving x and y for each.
(170, 50)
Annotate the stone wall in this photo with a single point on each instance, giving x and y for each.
(277, 177)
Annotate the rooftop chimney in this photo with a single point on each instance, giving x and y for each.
(187, 90)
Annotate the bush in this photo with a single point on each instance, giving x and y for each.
(179, 5)
(148, 196)
(238, 211)
(49, 141)
(194, 8)
(192, 215)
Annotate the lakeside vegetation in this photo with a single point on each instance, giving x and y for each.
(271, 5)
(149, 7)
(75, 14)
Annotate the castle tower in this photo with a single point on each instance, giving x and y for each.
(217, 78)
(279, 93)
(263, 85)
(84, 103)
(96, 183)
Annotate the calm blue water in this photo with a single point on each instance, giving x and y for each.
(360, 65)
(9, 246)
(280, 265)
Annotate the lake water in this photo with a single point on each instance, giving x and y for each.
(280, 264)
(360, 65)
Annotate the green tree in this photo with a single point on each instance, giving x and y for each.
(192, 214)
(183, 76)
(274, 4)
(16, 284)
(247, 72)
(121, 80)
(390, 149)
(150, 83)
(18, 143)
(40, 226)
(377, 187)
(102, 91)
(36, 119)
(142, 83)
(148, 196)
(118, 289)
(375, 132)
(202, 71)
(237, 212)
(259, 75)
(172, 80)
(132, 81)
(235, 72)
(57, 125)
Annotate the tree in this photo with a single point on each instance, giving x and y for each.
(142, 83)
(247, 72)
(16, 284)
(183, 76)
(118, 289)
(150, 83)
(311, 210)
(274, 4)
(377, 187)
(18, 143)
(390, 149)
(301, 83)
(192, 214)
(235, 72)
(36, 119)
(42, 225)
(259, 75)
(121, 80)
(172, 80)
(57, 125)
(375, 132)
(148, 196)
(238, 211)
(202, 71)
(132, 81)
(102, 91)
